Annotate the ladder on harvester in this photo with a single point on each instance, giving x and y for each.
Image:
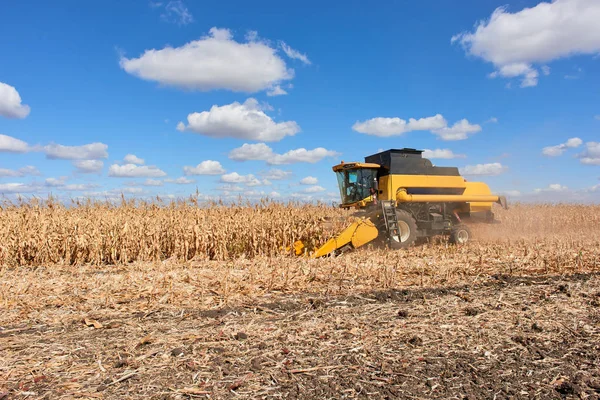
(391, 219)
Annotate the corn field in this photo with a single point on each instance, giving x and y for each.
(47, 232)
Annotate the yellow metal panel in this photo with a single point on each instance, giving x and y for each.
(403, 197)
(358, 233)
(428, 181)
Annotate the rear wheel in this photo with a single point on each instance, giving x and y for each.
(407, 231)
(460, 234)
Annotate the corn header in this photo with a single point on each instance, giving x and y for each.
(402, 197)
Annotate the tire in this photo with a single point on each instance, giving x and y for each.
(408, 231)
(460, 234)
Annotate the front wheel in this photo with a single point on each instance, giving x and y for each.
(407, 231)
(460, 234)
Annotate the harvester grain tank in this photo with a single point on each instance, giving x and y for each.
(402, 197)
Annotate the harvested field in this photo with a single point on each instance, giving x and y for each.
(514, 314)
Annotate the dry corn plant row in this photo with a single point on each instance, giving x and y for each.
(40, 233)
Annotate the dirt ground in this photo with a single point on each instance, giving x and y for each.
(495, 338)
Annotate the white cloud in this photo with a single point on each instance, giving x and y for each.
(10, 103)
(514, 42)
(61, 184)
(301, 155)
(276, 174)
(294, 54)
(591, 154)
(181, 181)
(276, 91)
(257, 151)
(492, 120)
(441, 153)
(152, 182)
(127, 190)
(28, 170)
(309, 180)
(314, 189)
(554, 187)
(260, 151)
(55, 182)
(248, 180)
(207, 167)
(176, 12)
(92, 151)
(12, 145)
(18, 188)
(483, 169)
(459, 131)
(554, 151)
(133, 159)
(88, 166)
(240, 121)
(386, 127)
(134, 171)
(213, 62)
(230, 188)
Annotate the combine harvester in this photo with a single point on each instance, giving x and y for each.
(402, 197)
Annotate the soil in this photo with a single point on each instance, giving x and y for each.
(505, 338)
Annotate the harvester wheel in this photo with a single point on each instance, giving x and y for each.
(460, 234)
(408, 231)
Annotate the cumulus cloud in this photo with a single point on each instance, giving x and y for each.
(10, 144)
(61, 184)
(133, 159)
(515, 42)
(261, 151)
(207, 167)
(276, 91)
(441, 153)
(88, 166)
(10, 103)
(241, 121)
(230, 188)
(24, 171)
(554, 187)
(294, 54)
(248, 180)
(559, 149)
(215, 61)
(591, 154)
(276, 174)
(309, 180)
(387, 127)
(257, 151)
(152, 182)
(314, 189)
(181, 181)
(92, 151)
(18, 188)
(135, 171)
(483, 169)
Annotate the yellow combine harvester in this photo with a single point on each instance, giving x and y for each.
(402, 197)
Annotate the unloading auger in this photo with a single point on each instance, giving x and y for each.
(402, 197)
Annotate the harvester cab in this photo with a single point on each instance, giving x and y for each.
(403, 197)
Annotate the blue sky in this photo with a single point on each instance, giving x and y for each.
(508, 92)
